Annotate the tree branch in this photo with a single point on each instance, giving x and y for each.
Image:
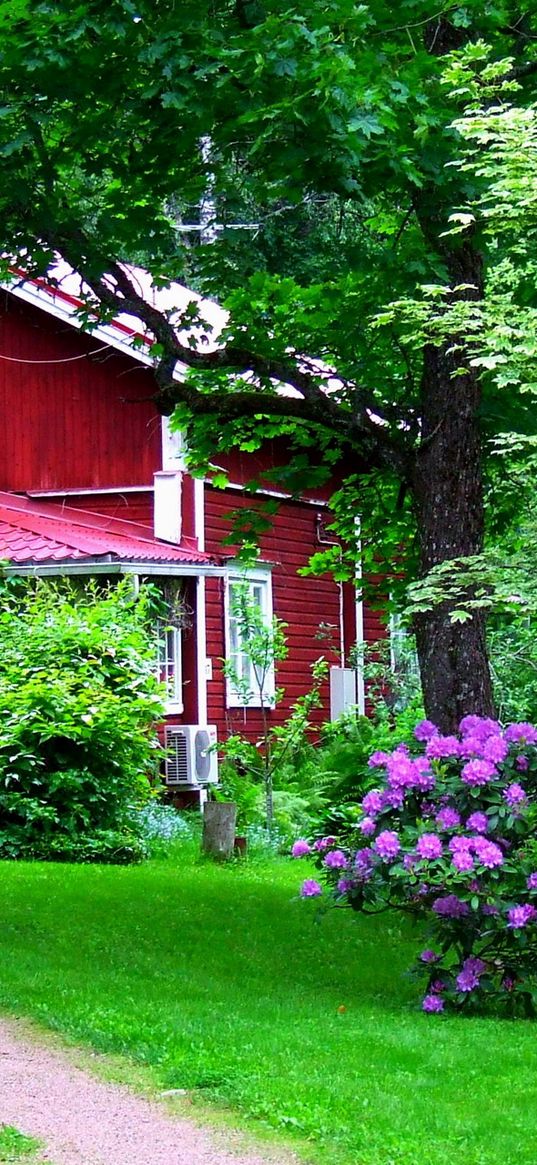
(350, 421)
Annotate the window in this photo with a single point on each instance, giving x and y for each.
(248, 611)
(169, 665)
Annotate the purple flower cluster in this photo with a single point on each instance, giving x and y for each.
(448, 818)
(450, 906)
(429, 846)
(402, 771)
(495, 749)
(445, 835)
(433, 1004)
(462, 860)
(425, 729)
(520, 916)
(515, 795)
(481, 726)
(336, 860)
(442, 747)
(478, 821)
(367, 826)
(488, 853)
(300, 849)
(464, 849)
(387, 845)
(469, 977)
(363, 864)
(521, 734)
(378, 759)
(429, 956)
(310, 888)
(478, 772)
(373, 802)
(323, 843)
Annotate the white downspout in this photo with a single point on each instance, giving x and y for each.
(201, 611)
(359, 619)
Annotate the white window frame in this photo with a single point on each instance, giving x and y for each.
(170, 664)
(254, 578)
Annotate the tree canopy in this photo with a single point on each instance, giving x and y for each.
(326, 137)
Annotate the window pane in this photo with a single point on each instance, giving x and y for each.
(258, 678)
(258, 596)
(169, 662)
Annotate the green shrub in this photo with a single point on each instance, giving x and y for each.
(78, 705)
(299, 798)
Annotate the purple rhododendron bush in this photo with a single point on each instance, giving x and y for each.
(449, 836)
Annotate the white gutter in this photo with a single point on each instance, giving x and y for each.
(89, 566)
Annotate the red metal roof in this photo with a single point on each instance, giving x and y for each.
(33, 532)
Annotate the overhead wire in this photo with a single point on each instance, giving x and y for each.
(63, 360)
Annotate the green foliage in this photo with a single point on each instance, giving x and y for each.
(513, 653)
(334, 136)
(501, 580)
(79, 704)
(300, 793)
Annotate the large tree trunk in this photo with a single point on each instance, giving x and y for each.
(448, 500)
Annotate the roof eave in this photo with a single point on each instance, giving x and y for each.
(109, 334)
(59, 569)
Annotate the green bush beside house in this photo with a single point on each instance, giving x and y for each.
(79, 704)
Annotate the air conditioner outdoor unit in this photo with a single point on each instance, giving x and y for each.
(191, 759)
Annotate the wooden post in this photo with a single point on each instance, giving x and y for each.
(219, 820)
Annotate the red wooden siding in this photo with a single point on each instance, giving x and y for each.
(79, 424)
(303, 603)
(73, 424)
(244, 467)
(131, 507)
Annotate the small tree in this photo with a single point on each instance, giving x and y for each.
(265, 645)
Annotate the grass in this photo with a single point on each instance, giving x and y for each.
(219, 981)
(15, 1146)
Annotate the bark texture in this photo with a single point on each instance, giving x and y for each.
(448, 499)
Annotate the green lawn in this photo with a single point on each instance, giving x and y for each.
(222, 982)
(15, 1146)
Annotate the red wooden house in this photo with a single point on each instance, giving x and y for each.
(92, 482)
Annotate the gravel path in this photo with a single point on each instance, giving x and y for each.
(86, 1121)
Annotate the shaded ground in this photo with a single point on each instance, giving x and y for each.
(84, 1121)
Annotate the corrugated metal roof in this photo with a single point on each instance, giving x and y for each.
(41, 532)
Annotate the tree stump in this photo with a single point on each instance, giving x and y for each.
(219, 820)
